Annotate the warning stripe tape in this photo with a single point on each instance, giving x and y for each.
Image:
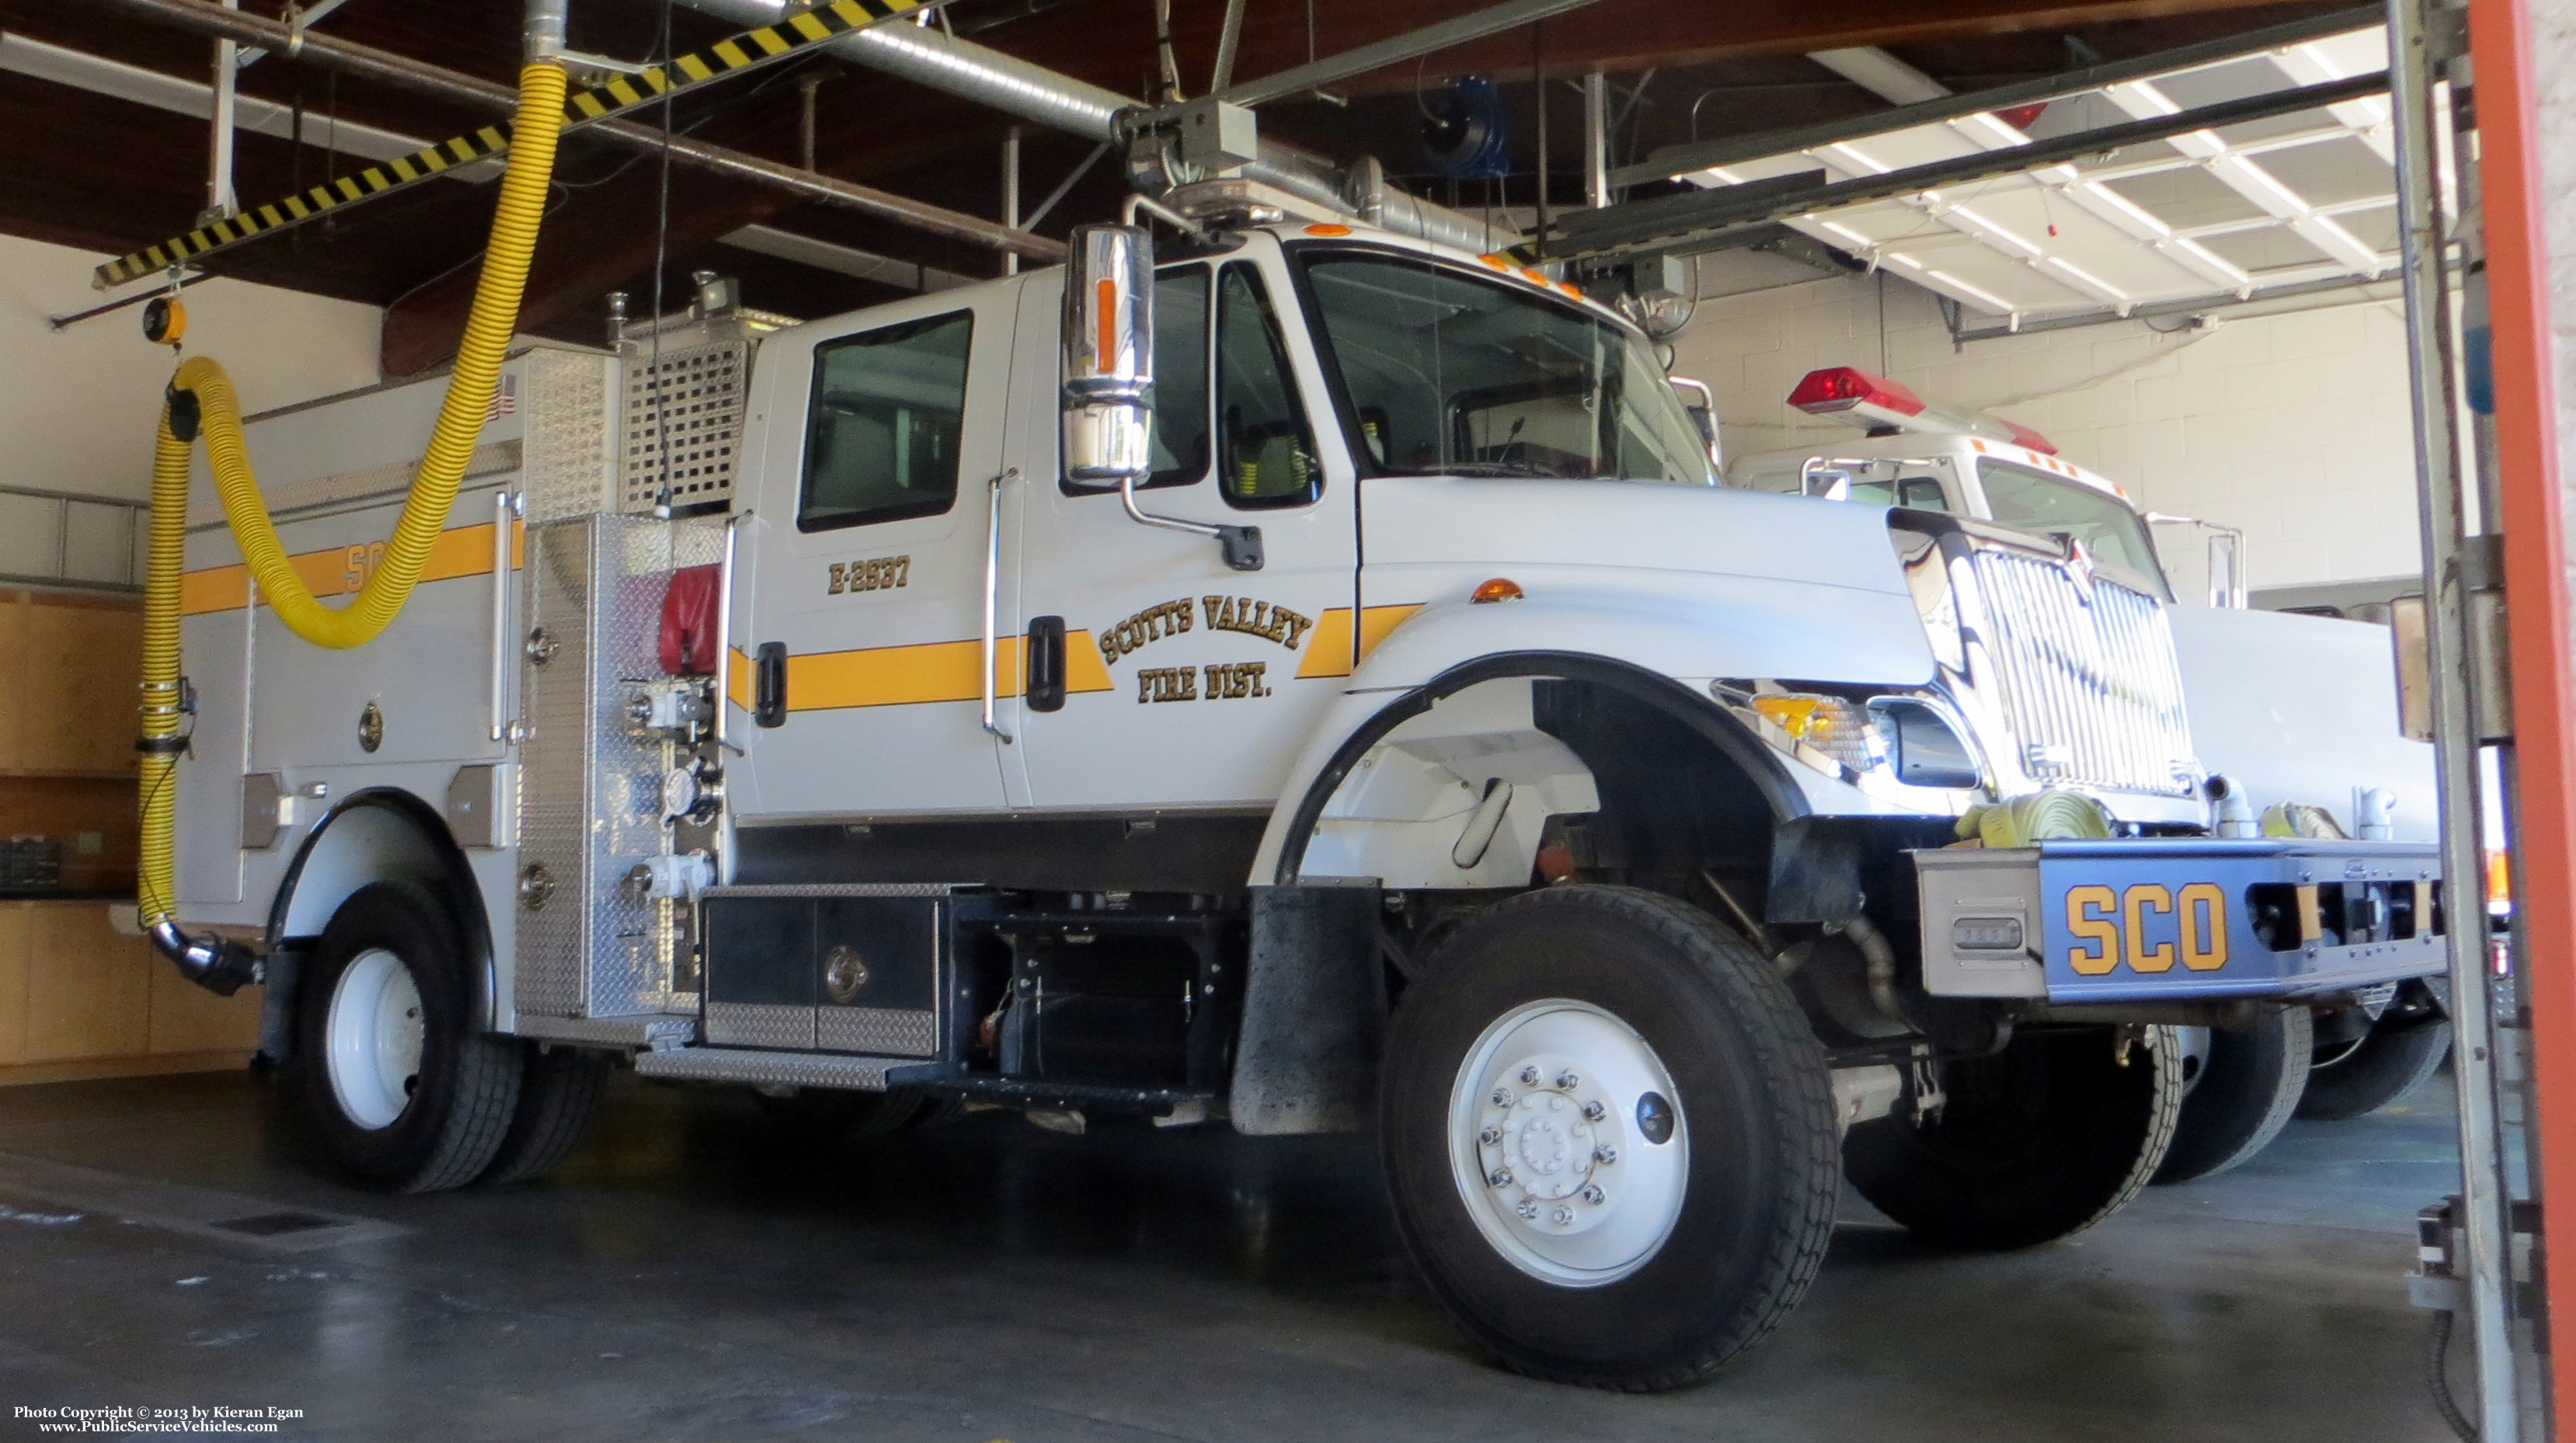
(729, 56)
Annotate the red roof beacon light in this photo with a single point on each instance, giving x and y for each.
(1849, 388)
(2028, 439)
(1887, 408)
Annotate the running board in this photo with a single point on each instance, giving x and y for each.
(785, 1069)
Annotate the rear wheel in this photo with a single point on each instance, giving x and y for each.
(2041, 1140)
(1609, 1136)
(403, 1089)
(2250, 1079)
(2354, 1077)
(556, 1096)
(826, 1117)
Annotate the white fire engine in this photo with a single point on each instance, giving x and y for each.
(2299, 712)
(1305, 678)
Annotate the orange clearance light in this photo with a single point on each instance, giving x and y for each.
(1497, 261)
(1327, 228)
(1497, 589)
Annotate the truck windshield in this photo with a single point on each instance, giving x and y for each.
(1447, 373)
(2039, 503)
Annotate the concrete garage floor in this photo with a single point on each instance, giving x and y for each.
(685, 1277)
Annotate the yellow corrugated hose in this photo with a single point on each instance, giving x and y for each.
(488, 328)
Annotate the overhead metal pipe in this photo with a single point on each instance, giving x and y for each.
(370, 63)
(940, 61)
(220, 200)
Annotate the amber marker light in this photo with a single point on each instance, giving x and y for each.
(1498, 589)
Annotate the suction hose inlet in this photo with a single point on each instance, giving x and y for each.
(202, 402)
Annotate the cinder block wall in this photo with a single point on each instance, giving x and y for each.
(2291, 426)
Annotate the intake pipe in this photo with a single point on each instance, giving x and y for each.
(939, 61)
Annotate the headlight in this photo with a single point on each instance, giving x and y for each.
(1838, 729)
(1905, 738)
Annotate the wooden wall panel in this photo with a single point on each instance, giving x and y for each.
(82, 658)
(188, 1018)
(15, 921)
(88, 994)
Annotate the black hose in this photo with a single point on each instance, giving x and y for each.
(2437, 1376)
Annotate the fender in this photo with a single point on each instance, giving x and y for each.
(1367, 715)
(373, 835)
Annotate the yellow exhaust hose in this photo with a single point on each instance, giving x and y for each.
(488, 328)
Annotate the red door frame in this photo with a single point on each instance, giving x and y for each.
(2535, 568)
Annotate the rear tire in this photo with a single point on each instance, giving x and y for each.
(557, 1094)
(2248, 1085)
(1641, 1245)
(402, 1087)
(2036, 1143)
(818, 1117)
(2384, 1066)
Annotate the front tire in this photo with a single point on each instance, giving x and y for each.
(1609, 1136)
(2042, 1140)
(403, 1089)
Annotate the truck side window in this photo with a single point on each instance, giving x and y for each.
(1180, 377)
(1268, 453)
(881, 440)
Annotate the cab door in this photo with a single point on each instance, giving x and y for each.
(1183, 682)
(864, 562)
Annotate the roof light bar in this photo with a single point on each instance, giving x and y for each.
(1878, 401)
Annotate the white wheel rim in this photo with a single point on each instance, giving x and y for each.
(1549, 1149)
(374, 1038)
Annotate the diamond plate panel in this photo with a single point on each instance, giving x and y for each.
(564, 456)
(786, 1069)
(590, 779)
(896, 1031)
(760, 1024)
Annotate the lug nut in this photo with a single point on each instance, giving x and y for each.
(1528, 1210)
(1567, 1081)
(1502, 1097)
(1594, 1195)
(1561, 1216)
(1594, 1112)
(1500, 1177)
(1529, 1077)
(1605, 1155)
(1489, 1137)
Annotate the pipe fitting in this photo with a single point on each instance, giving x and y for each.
(218, 964)
(1882, 962)
(542, 37)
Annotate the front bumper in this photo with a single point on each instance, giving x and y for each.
(2161, 919)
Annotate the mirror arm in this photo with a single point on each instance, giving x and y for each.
(1242, 544)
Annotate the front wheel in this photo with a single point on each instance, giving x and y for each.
(1609, 1134)
(403, 1089)
(2251, 1076)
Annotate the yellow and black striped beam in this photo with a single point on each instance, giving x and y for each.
(727, 57)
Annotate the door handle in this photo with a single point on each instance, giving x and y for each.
(769, 684)
(1046, 663)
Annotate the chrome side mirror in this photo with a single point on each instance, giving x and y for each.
(1703, 414)
(1109, 355)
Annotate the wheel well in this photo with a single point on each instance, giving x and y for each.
(1683, 787)
(380, 834)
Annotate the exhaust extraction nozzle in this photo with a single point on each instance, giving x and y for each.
(218, 964)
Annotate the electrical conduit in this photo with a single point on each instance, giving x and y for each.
(201, 399)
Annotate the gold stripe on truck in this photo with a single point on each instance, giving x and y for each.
(343, 570)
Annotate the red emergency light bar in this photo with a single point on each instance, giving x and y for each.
(1849, 388)
(1881, 402)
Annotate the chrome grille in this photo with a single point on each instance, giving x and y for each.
(2086, 674)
